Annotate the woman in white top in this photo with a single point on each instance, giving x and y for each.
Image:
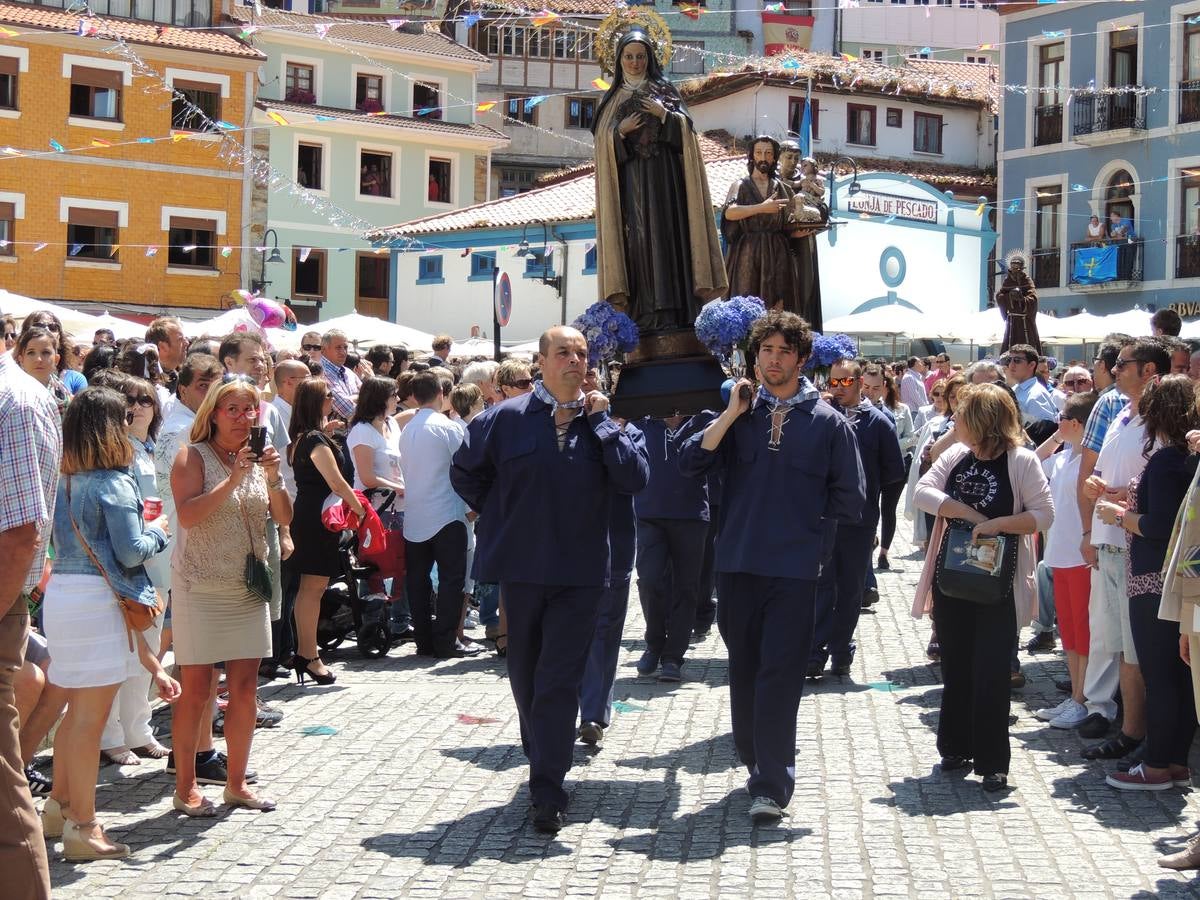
(374, 445)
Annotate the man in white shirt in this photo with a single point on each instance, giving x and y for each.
(1121, 458)
(1039, 413)
(912, 384)
(435, 521)
(288, 375)
(166, 333)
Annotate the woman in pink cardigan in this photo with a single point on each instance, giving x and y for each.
(992, 481)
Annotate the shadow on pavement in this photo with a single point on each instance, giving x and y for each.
(714, 754)
(948, 794)
(493, 757)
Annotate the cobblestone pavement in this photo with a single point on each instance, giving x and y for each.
(420, 792)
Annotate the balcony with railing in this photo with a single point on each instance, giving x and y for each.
(181, 13)
(1189, 101)
(1127, 273)
(1047, 267)
(1187, 256)
(1047, 125)
(1099, 118)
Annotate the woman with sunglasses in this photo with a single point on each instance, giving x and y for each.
(317, 465)
(8, 325)
(101, 543)
(514, 378)
(224, 496)
(128, 738)
(37, 352)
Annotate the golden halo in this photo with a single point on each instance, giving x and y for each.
(619, 21)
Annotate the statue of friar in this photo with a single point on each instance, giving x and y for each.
(658, 254)
(1017, 301)
(756, 221)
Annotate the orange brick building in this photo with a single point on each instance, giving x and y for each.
(100, 211)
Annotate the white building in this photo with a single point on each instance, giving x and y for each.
(862, 110)
(889, 31)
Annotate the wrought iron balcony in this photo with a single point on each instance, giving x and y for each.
(1187, 256)
(1102, 114)
(1047, 268)
(1129, 266)
(1047, 125)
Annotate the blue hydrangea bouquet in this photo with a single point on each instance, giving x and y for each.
(829, 348)
(723, 326)
(607, 332)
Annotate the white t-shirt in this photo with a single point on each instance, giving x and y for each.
(427, 445)
(1119, 460)
(285, 468)
(385, 449)
(1062, 541)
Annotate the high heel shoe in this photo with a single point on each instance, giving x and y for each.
(53, 819)
(78, 846)
(301, 665)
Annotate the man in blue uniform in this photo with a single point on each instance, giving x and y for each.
(672, 515)
(838, 609)
(791, 475)
(542, 469)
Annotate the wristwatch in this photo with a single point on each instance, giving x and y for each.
(1121, 519)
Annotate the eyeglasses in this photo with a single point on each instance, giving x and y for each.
(10, 335)
(521, 383)
(142, 400)
(230, 378)
(248, 414)
(308, 348)
(938, 394)
(1122, 363)
(842, 382)
(1073, 382)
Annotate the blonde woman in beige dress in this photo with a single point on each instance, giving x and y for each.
(223, 496)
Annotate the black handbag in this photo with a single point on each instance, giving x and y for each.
(980, 571)
(256, 573)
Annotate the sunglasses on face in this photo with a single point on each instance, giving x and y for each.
(10, 335)
(842, 382)
(1077, 381)
(308, 348)
(939, 393)
(143, 400)
(520, 383)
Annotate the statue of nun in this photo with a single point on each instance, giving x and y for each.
(658, 254)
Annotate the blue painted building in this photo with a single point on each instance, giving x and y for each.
(1109, 126)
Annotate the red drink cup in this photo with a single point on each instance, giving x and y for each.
(151, 508)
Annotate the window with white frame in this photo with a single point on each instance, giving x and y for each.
(195, 106)
(427, 99)
(93, 234)
(441, 184)
(368, 92)
(375, 173)
(96, 93)
(192, 243)
(873, 54)
(9, 75)
(300, 83)
(927, 133)
(310, 165)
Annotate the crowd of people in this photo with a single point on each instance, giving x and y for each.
(197, 498)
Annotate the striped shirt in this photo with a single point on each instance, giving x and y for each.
(1103, 414)
(344, 385)
(30, 453)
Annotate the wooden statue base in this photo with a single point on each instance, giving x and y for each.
(669, 373)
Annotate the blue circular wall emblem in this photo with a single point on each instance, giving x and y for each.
(892, 267)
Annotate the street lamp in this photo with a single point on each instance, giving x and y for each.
(274, 257)
(854, 188)
(554, 281)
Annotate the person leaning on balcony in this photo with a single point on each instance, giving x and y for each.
(1096, 231)
(1120, 228)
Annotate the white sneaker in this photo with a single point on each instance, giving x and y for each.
(1053, 712)
(472, 619)
(1070, 717)
(765, 811)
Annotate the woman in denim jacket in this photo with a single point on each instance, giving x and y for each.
(90, 653)
(127, 737)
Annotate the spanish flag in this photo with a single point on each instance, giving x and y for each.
(98, 142)
(783, 32)
(691, 10)
(484, 107)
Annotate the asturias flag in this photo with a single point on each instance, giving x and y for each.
(1093, 265)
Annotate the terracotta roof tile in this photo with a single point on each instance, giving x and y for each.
(205, 41)
(574, 200)
(418, 123)
(360, 30)
(985, 76)
(947, 84)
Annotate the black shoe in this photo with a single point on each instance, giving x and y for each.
(1133, 759)
(455, 652)
(816, 669)
(251, 775)
(1094, 726)
(1040, 643)
(1016, 681)
(213, 770)
(547, 819)
(840, 668)
(301, 665)
(591, 733)
(404, 635)
(870, 597)
(39, 784)
(1064, 685)
(670, 671)
(648, 663)
(954, 763)
(993, 783)
(883, 565)
(271, 670)
(1113, 748)
(699, 634)
(266, 716)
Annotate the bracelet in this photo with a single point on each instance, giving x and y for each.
(277, 484)
(1089, 531)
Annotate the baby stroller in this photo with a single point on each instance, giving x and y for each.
(345, 611)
